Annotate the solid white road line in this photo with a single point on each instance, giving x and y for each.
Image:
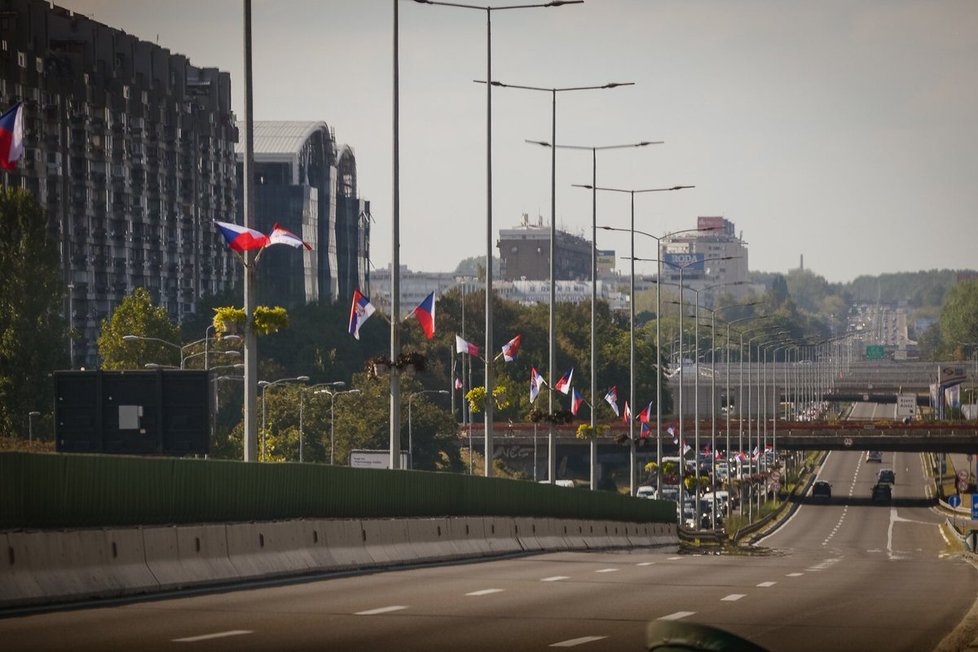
(555, 578)
(208, 637)
(678, 615)
(381, 610)
(578, 641)
(485, 592)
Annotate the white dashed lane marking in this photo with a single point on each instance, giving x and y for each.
(764, 585)
(381, 610)
(679, 615)
(209, 637)
(607, 570)
(733, 597)
(555, 578)
(485, 592)
(577, 641)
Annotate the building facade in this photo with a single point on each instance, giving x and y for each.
(712, 260)
(524, 254)
(307, 184)
(130, 151)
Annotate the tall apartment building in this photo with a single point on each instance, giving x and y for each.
(130, 150)
(524, 254)
(713, 259)
(307, 183)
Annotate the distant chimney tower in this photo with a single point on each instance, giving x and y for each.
(801, 265)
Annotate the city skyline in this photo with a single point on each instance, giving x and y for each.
(840, 132)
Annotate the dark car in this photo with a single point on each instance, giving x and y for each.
(886, 476)
(882, 493)
(821, 490)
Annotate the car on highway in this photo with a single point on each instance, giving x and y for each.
(645, 491)
(886, 476)
(882, 493)
(874, 456)
(821, 491)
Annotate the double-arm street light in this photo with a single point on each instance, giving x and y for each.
(488, 412)
(182, 348)
(552, 360)
(631, 319)
(332, 409)
(265, 384)
(302, 393)
(594, 291)
(410, 431)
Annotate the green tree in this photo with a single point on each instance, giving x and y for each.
(32, 334)
(137, 315)
(959, 318)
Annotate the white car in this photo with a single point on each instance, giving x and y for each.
(645, 491)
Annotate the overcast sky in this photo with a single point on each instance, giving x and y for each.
(842, 131)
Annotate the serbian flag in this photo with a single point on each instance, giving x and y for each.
(360, 312)
(536, 381)
(241, 238)
(612, 399)
(282, 236)
(461, 346)
(564, 384)
(576, 399)
(628, 413)
(511, 349)
(12, 136)
(645, 431)
(425, 312)
(643, 416)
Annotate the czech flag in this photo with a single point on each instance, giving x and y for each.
(282, 236)
(360, 312)
(511, 349)
(461, 346)
(241, 238)
(645, 431)
(612, 399)
(425, 312)
(536, 381)
(643, 416)
(564, 384)
(576, 399)
(12, 136)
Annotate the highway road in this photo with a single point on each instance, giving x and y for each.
(845, 575)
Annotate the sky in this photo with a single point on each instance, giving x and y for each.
(844, 132)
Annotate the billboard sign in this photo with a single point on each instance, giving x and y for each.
(371, 459)
(689, 262)
(906, 405)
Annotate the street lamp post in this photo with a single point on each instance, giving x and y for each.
(631, 319)
(332, 422)
(265, 384)
(410, 430)
(302, 392)
(594, 287)
(30, 424)
(489, 346)
(552, 320)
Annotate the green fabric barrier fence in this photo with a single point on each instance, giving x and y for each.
(43, 490)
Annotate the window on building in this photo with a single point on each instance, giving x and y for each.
(22, 59)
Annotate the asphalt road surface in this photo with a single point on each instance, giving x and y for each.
(846, 575)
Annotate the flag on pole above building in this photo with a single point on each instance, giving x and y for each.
(360, 312)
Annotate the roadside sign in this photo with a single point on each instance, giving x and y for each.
(875, 352)
(906, 404)
(847, 442)
(955, 501)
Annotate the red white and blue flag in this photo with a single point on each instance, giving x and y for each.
(511, 349)
(612, 399)
(425, 312)
(536, 382)
(645, 431)
(285, 237)
(12, 136)
(576, 399)
(241, 238)
(564, 384)
(628, 413)
(458, 383)
(461, 346)
(644, 415)
(360, 312)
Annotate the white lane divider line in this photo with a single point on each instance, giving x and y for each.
(607, 570)
(674, 558)
(485, 592)
(645, 563)
(794, 574)
(208, 637)
(733, 597)
(679, 615)
(381, 610)
(577, 641)
(555, 578)
(765, 585)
